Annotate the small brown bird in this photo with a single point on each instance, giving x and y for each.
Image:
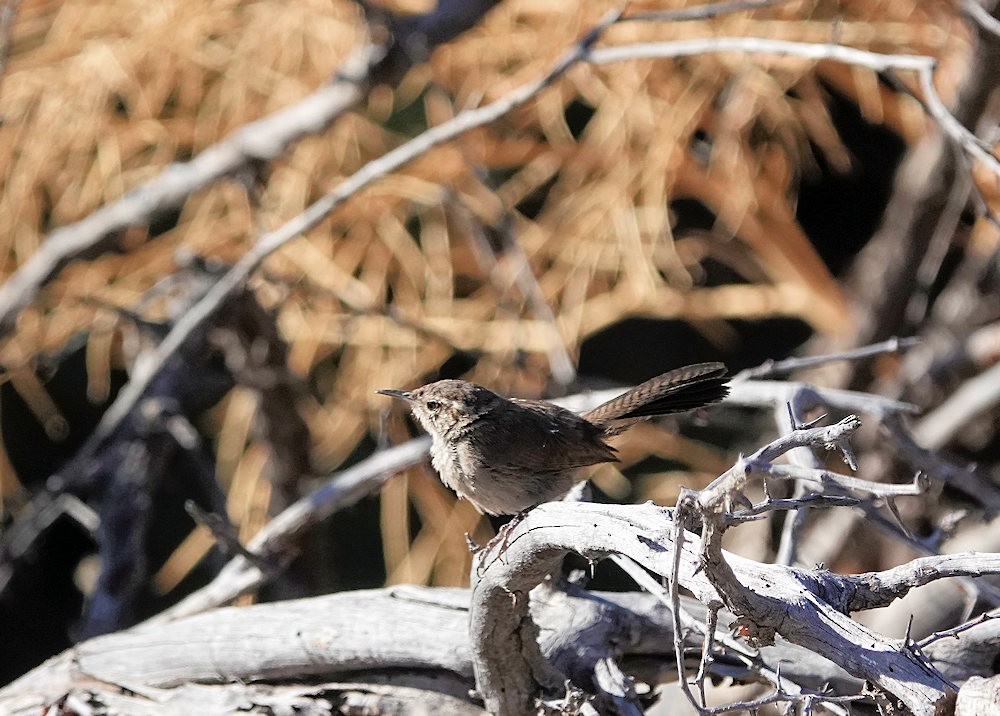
(507, 455)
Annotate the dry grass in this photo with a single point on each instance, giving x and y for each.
(100, 96)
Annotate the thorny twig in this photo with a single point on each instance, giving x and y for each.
(954, 632)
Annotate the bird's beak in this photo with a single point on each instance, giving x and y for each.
(404, 394)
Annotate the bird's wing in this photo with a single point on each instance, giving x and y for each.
(558, 441)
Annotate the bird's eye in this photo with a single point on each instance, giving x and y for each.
(432, 405)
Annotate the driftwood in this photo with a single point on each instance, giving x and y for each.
(411, 646)
(407, 643)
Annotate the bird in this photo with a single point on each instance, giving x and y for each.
(507, 455)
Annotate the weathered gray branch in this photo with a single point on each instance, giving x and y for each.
(403, 638)
(775, 599)
(322, 639)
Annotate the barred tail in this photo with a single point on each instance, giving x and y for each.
(675, 391)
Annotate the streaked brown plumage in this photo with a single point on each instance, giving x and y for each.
(506, 455)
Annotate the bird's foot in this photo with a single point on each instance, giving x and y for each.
(500, 542)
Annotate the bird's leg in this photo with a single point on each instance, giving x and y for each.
(500, 541)
(506, 531)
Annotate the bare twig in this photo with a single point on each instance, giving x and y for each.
(675, 608)
(805, 50)
(954, 632)
(787, 421)
(774, 505)
(278, 538)
(779, 697)
(872, 590)
(771, 394)
(761, 607)
(711, 624)
(825, 479)
(978, 14)
(939, 243)
(772, 368)
(756, 663)
(40, 516)
(921, 64)
(691, 625)
(733, 481)
(225, 535)
(702, 12)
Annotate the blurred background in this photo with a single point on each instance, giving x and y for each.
(632, 218)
